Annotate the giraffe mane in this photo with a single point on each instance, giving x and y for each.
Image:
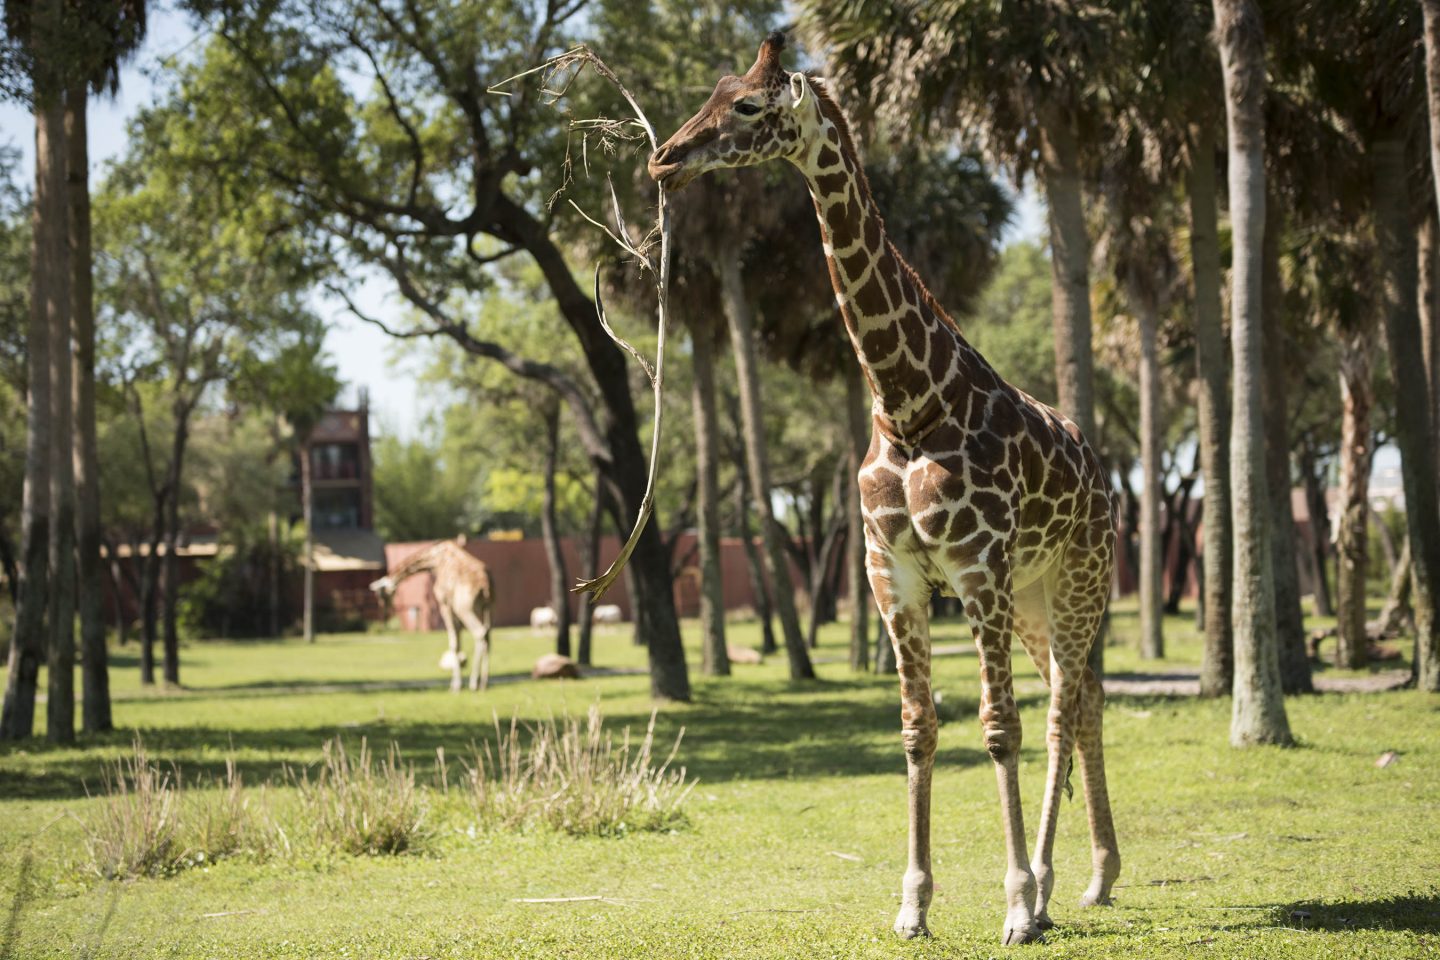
(830, 108)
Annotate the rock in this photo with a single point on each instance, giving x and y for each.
(743, 655)
(552, 666)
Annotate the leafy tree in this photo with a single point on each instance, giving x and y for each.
(193, 293)
(420, 493)
(414, 191)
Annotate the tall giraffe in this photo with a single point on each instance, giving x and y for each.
(462, 590)
(969, 485)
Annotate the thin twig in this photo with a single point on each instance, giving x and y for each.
(579, 57)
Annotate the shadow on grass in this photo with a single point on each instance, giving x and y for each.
(762, 730)
(1419, 912)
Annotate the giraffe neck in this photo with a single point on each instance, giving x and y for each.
(911, 353)
(418, 562)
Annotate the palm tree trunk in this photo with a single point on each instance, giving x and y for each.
(1217, 665)
(28, 641)
(90, 573)
(60, 692)
(1430, 321)
(1152, 637)
(1070, 290)
(559, 579)
(1258, 713)
(1315, 504)
(1353, 537)
(1429, 301)
(742, 338)
(1413, 433)
(856, 406)
(1289, 618)
(715, 661)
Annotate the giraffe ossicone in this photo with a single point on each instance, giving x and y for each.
(969, 485)
(464, 592)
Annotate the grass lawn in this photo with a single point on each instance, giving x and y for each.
(796, 840)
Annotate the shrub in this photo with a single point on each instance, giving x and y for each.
(359, 806)
(134, 831)
(573, 778)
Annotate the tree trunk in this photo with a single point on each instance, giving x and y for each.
(1430, 312)
(1289, 618)
(170, 578)
(1258, 713)
(821, 596)
(742, 339)
(272, 573)
(149, 593)
(307, 513)
(1319, 510)
(856, 410)
(758, 586)
(90, 574)
(559, 578)
(715, 662)
(624, 463)
(1396, 261)
(591, 561)
(1429, 302)
(1217, 666)
(60, 692)
(28, 641)
(1152, 621)
(1070, 287)
(1352, 544)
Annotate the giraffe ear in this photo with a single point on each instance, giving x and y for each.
(798, 88)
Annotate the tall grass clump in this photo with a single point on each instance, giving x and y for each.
(358, 805)
(134, 832)
(572, 777)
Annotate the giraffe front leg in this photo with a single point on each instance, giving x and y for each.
(448, 616)
(902, 598)
(988, 606)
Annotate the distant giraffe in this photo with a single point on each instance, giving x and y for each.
(463, 590)
(970, 485)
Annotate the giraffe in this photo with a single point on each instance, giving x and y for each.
(969, 486)
(463, 590)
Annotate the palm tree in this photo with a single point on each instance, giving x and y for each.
(1259, 709)
(39, 27)
(113, 30)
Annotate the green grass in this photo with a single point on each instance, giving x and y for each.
(1220, 846)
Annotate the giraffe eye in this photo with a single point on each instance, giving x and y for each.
(746, 109)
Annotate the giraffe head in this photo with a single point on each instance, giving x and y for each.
(384, 586)
(764, 115)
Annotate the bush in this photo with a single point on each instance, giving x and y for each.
(134, 832)
(573, 778)
(359, 806)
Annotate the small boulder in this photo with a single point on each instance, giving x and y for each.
(743, 655)
(552, 666)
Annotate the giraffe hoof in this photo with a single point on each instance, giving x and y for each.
(911, 923)
(1018, 935)
(1043, 921)
(1093, 899)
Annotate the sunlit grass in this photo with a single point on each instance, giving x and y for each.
(1311, 852)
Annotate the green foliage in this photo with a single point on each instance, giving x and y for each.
(1012, 326)
(424, 489)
